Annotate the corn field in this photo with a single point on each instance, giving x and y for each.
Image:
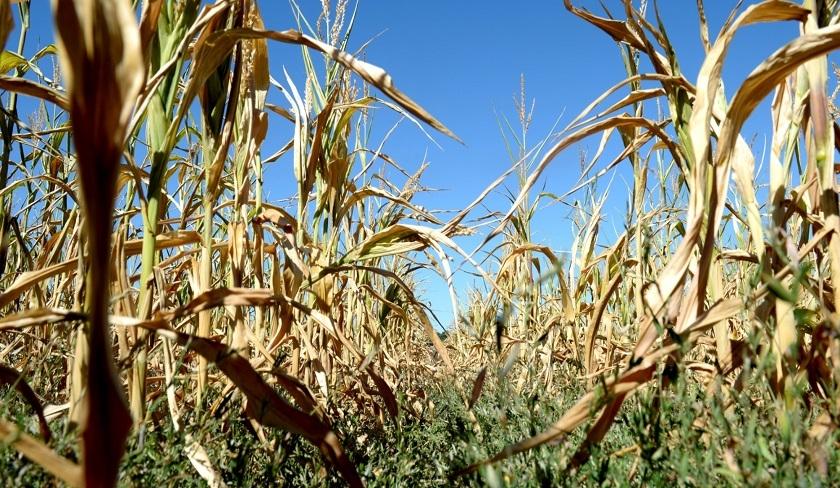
(147, 284)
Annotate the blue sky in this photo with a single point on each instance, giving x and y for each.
(462, 60)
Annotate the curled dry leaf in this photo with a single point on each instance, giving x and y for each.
(223, 41)
(11, 376)
(263, 404)
(33, 89)
(200, 460)
(39, 453)
(385, 392)
(478, 386)
(40, 316)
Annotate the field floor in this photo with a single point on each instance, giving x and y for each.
(670, 439)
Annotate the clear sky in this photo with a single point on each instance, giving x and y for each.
(462, 60)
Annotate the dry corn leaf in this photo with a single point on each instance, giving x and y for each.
(200, 460)
(40, 316)
(478, 386)
(616, 29)
(10, 376)
(551, 154)
(679, 80)
(28, 279)
(595, 319)
(767, 76)
(372, 74)
(299, 391)
(632, 98)
(33, 89)
(263, 403)
(148, 25)
(396, 239)
(385, 392)
(708, 80)
(37, 452)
